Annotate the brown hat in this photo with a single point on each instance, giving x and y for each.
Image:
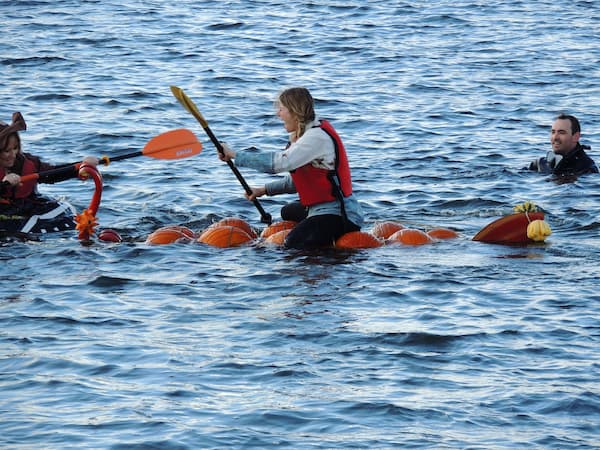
(18, 124)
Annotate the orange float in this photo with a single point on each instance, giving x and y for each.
(511, 229)
(411, 236)
(183, 229)
(442, 233)
(236, 222)
(278, 238)
(358, 239)
(109, 235)
(166, 235)
(277, 227)
(386, 228)
(224, 236)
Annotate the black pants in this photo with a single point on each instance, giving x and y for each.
(294, 211)
(318, 231)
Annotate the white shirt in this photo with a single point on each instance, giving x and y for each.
(315, 146)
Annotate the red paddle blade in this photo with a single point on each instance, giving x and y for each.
(511, 229)
(175, 144)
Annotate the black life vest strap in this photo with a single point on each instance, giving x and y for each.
(334, 179)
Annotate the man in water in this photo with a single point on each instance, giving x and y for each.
(568, 156)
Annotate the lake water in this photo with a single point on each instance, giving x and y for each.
(457, 344)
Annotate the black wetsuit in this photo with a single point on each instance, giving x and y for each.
(575, 163)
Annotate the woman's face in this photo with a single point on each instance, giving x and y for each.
(290, 122)
(9, 152)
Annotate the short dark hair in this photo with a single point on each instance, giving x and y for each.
(575, 127)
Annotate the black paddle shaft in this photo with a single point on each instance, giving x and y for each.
(265, 217)
(126, 156)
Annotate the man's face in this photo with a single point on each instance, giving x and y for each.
(561, 138)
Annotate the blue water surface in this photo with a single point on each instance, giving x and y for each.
(457, 344)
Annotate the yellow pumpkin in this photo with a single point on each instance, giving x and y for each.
(538, 230)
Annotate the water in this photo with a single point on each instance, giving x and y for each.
(454, 345)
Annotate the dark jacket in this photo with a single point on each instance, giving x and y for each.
(575, 163)
(49, 173)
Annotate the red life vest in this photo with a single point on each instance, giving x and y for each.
(316, 185)
(27, 188)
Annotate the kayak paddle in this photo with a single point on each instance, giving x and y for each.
(191, 107)
(175, 144)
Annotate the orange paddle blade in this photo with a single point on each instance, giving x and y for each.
(175, 144)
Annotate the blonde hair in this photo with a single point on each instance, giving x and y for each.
(301, 104)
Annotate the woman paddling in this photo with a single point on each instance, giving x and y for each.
(17, 197)
(318, 171)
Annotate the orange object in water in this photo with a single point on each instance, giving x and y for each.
(276, 227)
(511, 229)
(411, 236)
(86, 224)
(385, 229)
(442, 233)
(166, 235)
(108, 235)
(183, 229)
(278, 238)
(224, 236)
(236, 222)
(86, 221)
(358, 239)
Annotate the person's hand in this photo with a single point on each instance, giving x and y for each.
(256, 192)
(228, 154)
(91, 160)
(12, 178)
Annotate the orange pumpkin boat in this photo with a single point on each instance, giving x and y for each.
(527, 225)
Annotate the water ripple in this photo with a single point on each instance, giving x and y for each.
(441, 105)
